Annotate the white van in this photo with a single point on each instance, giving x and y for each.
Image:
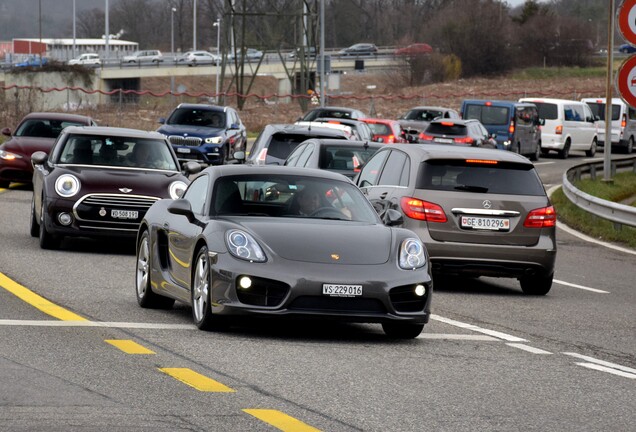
(569, 125)
(623, 123)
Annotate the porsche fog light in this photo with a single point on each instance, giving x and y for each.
(67, 185)
(420, 290)
(412, 255)
(245, 282)
(64, 219)
(243, 246)
(177, 189)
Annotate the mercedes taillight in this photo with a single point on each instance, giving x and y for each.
(422, 210)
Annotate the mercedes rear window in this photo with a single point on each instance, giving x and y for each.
(508, 178)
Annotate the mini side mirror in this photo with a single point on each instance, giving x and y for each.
(191, 167)
(39, 158)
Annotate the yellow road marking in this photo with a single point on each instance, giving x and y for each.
(38, 301)
(128, 346)
(281, 420)
(196, 380)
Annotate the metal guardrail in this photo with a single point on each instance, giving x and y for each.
(620, 214)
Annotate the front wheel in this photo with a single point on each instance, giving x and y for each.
(536, 285)
(537, 152)
(565, 152)
(630, 145)
(592, 151)
(47, 240)
(201, 286)
(146, 297)
(35, 225)
(400, 330)
(4, 184)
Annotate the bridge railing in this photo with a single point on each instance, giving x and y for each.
(620, 214)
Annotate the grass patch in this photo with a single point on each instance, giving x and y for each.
(539, 73)
(623, 187)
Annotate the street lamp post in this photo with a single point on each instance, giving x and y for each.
(217, 24)
(194, 26)
(172, 11)
(74, 34)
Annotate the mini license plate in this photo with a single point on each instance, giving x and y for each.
(338, 290)
(485, 223)
(183, 150)
(443, 140)
(124, 214)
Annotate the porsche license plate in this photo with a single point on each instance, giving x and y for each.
(124, 214)
(485, 223)
(338, 290)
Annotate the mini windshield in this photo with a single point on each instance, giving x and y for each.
(291, 196)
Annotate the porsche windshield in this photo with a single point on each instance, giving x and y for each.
(291, 196)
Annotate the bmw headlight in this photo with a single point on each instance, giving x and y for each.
(412, 254)
(214, 140)
(9, 156)
(243, 246)
(177, 189)
(67, 185)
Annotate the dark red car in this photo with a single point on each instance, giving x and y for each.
(36, 132)
(99, 182)
(386, 131)
(414, 49)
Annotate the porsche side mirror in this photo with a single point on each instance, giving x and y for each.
(191, 167)
(392, 218)
(239, 156)
(181, 207)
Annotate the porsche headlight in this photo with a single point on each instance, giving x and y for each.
(67, 185)
(214, 140)
(177, 189)
(9, 156)
(243, 246)
(412, 254)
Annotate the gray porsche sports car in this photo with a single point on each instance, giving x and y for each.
(282, 241)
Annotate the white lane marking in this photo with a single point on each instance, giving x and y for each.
(608, 370)
(35, 323)
(602, 362)
(560, 282)
(472, 327)
(457, 337)
(575, 233)
(528, 348)
(543, 163)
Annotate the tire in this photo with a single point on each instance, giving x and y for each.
(518, 148)
(592, 151)
(47, 240)
(34, 226)
(630, 145)
(146, 297)
(400, 330)
(544, 152)
(4, 184)
(565, 152)
(201, 292)
(537, 285)
(537, 152)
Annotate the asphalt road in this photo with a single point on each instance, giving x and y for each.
(491, 358)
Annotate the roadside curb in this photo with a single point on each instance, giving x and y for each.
(585, 237)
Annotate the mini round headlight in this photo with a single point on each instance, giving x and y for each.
(177, 189)
(67, 185)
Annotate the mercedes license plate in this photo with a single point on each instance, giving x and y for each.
(485, 223)
(339, 290)
(124, 214)
(443, 140)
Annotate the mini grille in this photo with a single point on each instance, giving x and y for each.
(186, 141)
(118, 201)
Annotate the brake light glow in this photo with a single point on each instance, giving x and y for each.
(425, 137)
(446, 123)
(624, 121)
(541, 218)
(464, 140)
(482, 161)
(558, 130)
(356, 164)
(511, 128)
(422, 210)
(390, 139)
(488, 103)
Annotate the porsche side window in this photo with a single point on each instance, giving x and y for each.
(196, 194)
